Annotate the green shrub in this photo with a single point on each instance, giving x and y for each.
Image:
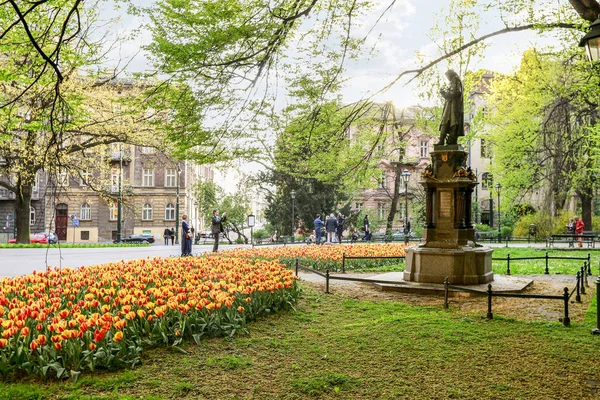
(506, 231)
(545, 223)
(484, 228)
(260, 234)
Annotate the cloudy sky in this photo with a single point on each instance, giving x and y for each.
(403, 31)
(398, 36)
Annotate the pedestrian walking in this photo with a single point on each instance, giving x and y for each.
(186, 237)
(579, 226)
(367, 228)
(340, 226)
(217, 227)
(167, 235)
(173, 237)
(331, 227)
(318, 228)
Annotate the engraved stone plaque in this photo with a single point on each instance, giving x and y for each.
(445, 204)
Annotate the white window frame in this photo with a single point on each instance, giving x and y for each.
(62, 178)
(85, 178)
(170, 177)
(359, 206)
(147, 212)
(381, 210)
(148, 177)
(36, 183)
(147, 150)
(424, 148)
(383, 181)
(170, 212)
(85, 212)
(113, 212)
(115, 180)
(31, 216)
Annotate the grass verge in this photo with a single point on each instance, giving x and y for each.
(334, 347)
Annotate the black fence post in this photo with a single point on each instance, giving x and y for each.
(547, 271)
(297, 262)
(583, 279)
(578, 296)
(327, 281)
(343, 263)
(489, 313)
(446, 293)
(589, 263)
(597, 330)
(566, 319)
(508, 264)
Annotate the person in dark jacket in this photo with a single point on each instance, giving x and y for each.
(367, 228)
(331, 227)
(186, 237)
(167, 235)
(318, 227)
(217, 227)
(173, 237)
(340, 226)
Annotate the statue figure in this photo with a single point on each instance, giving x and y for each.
(452, 125)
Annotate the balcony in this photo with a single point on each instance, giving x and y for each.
(117, 156)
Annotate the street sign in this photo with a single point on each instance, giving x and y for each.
(75, 222)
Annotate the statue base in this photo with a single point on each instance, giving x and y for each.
(465, 265)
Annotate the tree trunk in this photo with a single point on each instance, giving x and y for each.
(239, 233)
(22, 209)
(394, 205)
(587, 198)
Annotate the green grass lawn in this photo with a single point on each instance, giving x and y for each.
(532, 267)
(334, 347)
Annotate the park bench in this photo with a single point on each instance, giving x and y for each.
(589, 239)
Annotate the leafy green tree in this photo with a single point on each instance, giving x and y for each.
(543, 130)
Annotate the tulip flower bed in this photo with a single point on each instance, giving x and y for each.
(59, 323)
(327, 257)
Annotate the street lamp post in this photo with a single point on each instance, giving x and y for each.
(196, 224)
(405, 177)
(251, 223)
(591, 41)
(498, 187)
(293, 194)
(177, 205)
(120, 195)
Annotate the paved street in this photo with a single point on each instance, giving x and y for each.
(15, 262)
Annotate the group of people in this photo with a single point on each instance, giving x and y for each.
(169, 234)
(334, 228)
(575, 227)
(187, 232)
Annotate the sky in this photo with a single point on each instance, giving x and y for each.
(397, 38)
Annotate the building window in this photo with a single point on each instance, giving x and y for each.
(147, 212)
(381, 211)
(424, 146)
(147, 150)
(31, 216)
(359, 206)
(486, 180)
(85, 212)
(170, 180)
(115, 180)
(114, 211)
(148, 177)
(85, 235)
(85, 178)
(170, 212)
(485, 149)
(36, 183)
(383, 181)
(62, 178)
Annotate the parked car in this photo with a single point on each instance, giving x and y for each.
(137, 239)
(51, 236)
(40, 238)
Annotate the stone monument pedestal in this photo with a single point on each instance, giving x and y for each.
(449, 249)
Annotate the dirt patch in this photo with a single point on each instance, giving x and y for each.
(517, 308)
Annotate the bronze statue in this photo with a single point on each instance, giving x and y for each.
(452, 125)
